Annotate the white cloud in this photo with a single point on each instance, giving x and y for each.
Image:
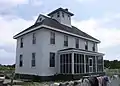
(107, 30)
(15, 2)
(10, 25)
(36, 2)
(109, 36)
(7, 5)
(81, 1)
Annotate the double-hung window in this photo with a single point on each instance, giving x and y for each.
(21, 43)
(65, 40)
(52, 59)
(93, 48)
(52, 38)
(34, 38)
(21, 60)
(86, 45)
(77, 43)
(33, 62)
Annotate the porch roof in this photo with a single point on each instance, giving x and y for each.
(81, 51)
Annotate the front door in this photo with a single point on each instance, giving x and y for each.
(90, 65)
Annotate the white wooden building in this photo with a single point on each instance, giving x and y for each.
(52, 46)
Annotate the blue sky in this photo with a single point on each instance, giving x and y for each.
(99, 18)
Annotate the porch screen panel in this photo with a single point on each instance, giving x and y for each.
(99, 64)
(94, 64)
(87, 63)
(78, 63)
(66, 63)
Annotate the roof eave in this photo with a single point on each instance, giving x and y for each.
(23, 33)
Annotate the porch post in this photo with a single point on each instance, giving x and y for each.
(84, 64)
(103, 64)
(72, 62)
(96, 63)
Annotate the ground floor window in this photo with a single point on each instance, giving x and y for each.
(52, 59)
(21, 60)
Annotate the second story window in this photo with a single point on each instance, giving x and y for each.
(86, 45)
(34, 38)
(93, 48)
(21, 61)
(52, 59)
(77, 43)
(21, 43)
(65, 40)
(52, 38)
(33, 62)
(58, 14)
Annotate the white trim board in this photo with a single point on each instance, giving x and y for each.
(82, 52)
(52, 28)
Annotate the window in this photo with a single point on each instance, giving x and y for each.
(93, 48)
(62, 14)
(86, 45)
(58, 14)
(77, 42)
(40, 19)
(21, 61)
(21, 43)
(33, 63)
(34, 38)
(65, 40)
(52, 59)
(52, 38)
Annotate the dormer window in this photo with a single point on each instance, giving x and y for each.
(40, 19)
(62, 14)
(58, 14)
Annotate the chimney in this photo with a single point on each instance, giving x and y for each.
(66, 9)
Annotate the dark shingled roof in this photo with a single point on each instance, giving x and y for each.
(61, 9)
(54, 23)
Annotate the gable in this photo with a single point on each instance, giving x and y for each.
(40, 18)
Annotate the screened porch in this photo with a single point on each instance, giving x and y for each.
(74, 61)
